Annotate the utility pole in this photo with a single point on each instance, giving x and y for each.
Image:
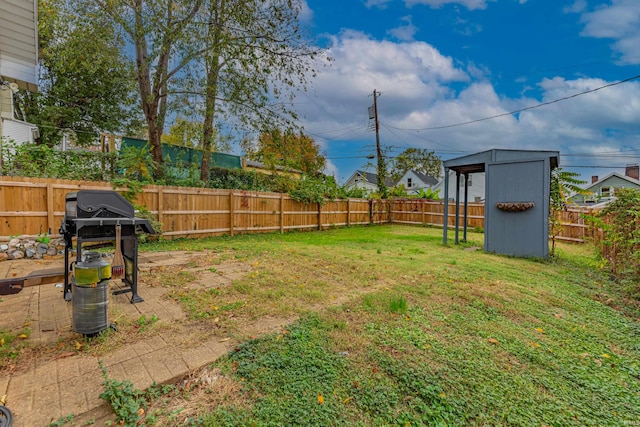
(382, 173)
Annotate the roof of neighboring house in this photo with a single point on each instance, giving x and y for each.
(427, 179)
(611, 175)
(372, 178)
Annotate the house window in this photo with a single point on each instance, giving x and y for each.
(468, 180)
(409, 184)
(606, 191)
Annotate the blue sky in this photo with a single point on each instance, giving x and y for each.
(446, 62)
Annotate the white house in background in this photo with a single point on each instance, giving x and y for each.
(604, 190)
(475, 188)
(413, 182)
(365, 180)
(18, 64)
(12, 129)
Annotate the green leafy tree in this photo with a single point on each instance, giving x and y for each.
(418, 160)
(295, 151)
(184, 133)
(255, 57)
(158, 31)
(86, 85)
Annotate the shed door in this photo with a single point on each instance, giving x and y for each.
(517, 233)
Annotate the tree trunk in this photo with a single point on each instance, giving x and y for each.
(213, 72)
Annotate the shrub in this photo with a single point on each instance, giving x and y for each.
(621, 243)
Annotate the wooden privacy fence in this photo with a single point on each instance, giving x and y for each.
(32, 206)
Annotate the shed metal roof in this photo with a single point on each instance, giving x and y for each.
(473, 163)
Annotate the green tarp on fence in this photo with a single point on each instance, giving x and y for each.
(174, 155)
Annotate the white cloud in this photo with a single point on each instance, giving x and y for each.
(404, 32)
(408, 74)
(421, 89)
(469, 4)
(381, 4)
(306, 14)
(620, 21)
(578, 7)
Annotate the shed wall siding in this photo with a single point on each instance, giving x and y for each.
(18, 40)
(517, 233)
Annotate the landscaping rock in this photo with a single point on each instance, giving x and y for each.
(30, 252)
(14, 242)
(42, 248)
(4, 247)
(16, 255)
(3, 256)
(51, 251)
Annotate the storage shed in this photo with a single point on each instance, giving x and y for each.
(517, 186)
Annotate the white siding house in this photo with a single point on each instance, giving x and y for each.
(603, 190)
(413, 182)
(476, 187)
(19, 43)
(365, 180)
(18, 65)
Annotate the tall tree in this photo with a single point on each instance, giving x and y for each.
(295, 151)
(157, 30)
(86, 85)
(418, 160)
(256, 55)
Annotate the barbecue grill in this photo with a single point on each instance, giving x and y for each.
(92, 216)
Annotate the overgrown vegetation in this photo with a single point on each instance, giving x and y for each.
(41, 161)
(621, 245)
(132, 169)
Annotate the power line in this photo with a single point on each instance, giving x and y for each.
(523, 109)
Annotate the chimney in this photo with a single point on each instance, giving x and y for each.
(633, 171)
(594, 179)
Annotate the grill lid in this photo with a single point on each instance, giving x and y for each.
(98, 204)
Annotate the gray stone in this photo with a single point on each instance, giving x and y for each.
(4, 247)
(51, 251)
(30, 252)
(14, 242)
(42, 248)
(16, 255)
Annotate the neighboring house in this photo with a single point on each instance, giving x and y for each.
(18, 65)
(366, 180)
(12, 129)
(413, 182)
(604, 190)
(475, 188)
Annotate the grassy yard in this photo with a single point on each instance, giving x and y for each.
(389, 327)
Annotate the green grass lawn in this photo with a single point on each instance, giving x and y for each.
(393, 328)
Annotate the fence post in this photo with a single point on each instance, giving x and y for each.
(160, 205)
(50, 212)
(281, 213)
(319, 216)
(370, 211)
(232, 214)
(348, 212)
